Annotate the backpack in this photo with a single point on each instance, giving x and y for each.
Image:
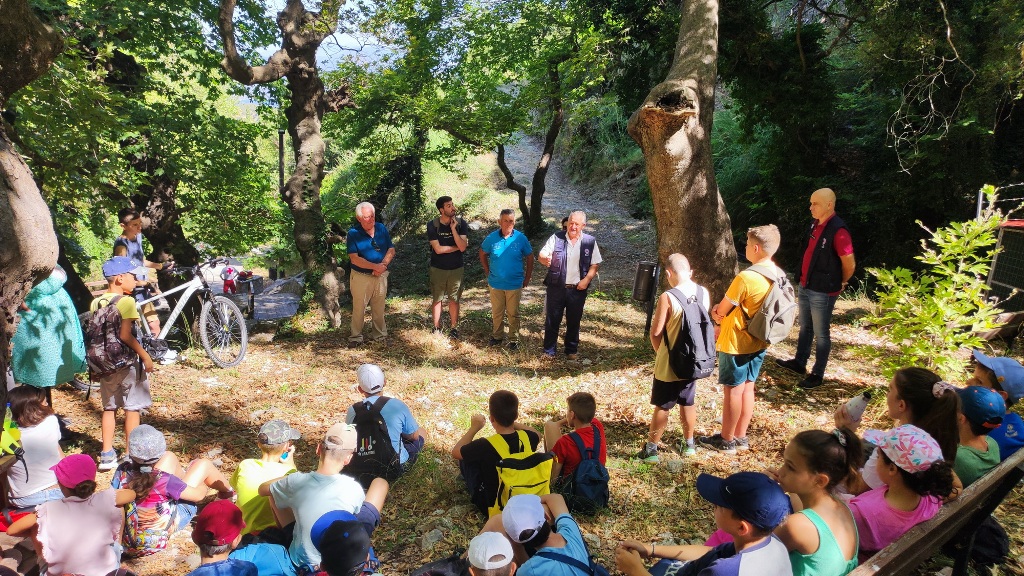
(375, 455)
(454, 565)
(587, 490)
(105, 353)
(524, 472)
(692, 353)
(773, 321)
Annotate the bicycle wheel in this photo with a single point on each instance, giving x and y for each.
(222, 331)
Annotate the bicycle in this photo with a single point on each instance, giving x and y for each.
(222, 329)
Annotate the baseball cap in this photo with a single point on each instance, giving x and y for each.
(342, 541)
(752, 496)
(146, 444)
(489, 551)
(522, 517)
(124, 265)
(370, 378)
(982, 406)
(277, 432)
(909, 447)
(341, 437)
(219, 523)
(1009, 373)
(74, 469)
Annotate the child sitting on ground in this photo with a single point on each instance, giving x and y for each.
(1005, 376)
(579, 417)
(277, 458)
(748, 506)
(915, 479)
(32, 481)
(57, 525)
(981, 411)
(217, 531)
(165, 493)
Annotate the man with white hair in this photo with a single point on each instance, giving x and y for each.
(370, 252)
(572, 258)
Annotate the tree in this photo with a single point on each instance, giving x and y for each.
(28, 245)
(302, 33)
(673, 128)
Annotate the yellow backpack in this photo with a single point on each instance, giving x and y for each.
(524, 472)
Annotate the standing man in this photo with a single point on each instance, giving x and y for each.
(503, 254)
(572, 258)
(827, 266)
(448, 236)
(370, 252)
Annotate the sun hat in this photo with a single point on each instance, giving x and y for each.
(74, 469)
(1009, 374)
(342, 541)
(277, 432)
(909, 447)
(752, 496)
(146, 444)
(982, 406)
(124, 265)
(218, 524)
(370, 378)
(489, 551)
(341, 437)
(522, 517)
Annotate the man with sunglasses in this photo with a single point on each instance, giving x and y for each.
(370, 252)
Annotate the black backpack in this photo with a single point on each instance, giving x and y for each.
(588, 487)
(105, 353)
(375, 455)
(692, 354)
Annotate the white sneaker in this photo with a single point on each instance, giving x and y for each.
(170, 357)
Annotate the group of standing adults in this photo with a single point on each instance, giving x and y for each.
(571, 256)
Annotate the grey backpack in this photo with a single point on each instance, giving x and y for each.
(774, 319)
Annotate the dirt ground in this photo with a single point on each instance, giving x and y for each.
(305, 375)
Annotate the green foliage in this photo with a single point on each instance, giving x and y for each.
(933, 314)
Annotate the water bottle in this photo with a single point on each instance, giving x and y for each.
(855, 407)
(9, 419)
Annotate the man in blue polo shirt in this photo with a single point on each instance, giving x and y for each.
(370, 251)
(503, 254)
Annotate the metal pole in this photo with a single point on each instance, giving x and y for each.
(981, 200)
(280, 158)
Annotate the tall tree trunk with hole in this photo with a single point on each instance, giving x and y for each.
(302, 33)
(161, 219)
(673, 128)
(28, 244)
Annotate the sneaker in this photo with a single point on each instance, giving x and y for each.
(649, 456)
(811, 382)
(494, 341)
(570, 357)
(436, 331)
(108, 460)
(355, 343)
(169, 357)
(687, 450)
(513, 346)
(792, 365)
(453, 333)
(718, 443)
(741, 443)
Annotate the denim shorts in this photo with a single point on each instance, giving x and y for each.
(36, 498)
(735, 369)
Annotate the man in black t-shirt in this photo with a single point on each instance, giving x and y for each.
(478, 459)
(448, 242)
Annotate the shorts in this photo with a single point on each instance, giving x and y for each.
(446, 283)
(184, 513)
(667, 567)
(735, 369)
(666, 395)
(128, 389)
(30, 501)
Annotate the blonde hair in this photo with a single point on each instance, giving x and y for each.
(767, 237)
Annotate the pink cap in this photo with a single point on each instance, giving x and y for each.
(74, 469)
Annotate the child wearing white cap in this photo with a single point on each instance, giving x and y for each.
(490, 554)
(554, 549)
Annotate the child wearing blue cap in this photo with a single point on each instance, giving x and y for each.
(981, 411)
(748, 507)
(1006, 377)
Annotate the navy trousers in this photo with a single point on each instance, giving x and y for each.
(568, 302)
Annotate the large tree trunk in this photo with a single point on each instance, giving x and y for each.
(302, 33)
(673, 128)
(28, 244)
(161, 220)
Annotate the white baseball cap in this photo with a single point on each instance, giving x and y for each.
(370, 378)
(490, 550)
(522, 517)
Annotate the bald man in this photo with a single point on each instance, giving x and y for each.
(828, 264)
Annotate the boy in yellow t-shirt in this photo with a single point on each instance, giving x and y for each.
(277, 459)
(740, 354)
(128, 388)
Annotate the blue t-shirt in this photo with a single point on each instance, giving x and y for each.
(574, 548)
(506, 257)
(1009, 436)
(769, 558)
(372, 249)
(229, 567)
(134, 247)
(398, 418)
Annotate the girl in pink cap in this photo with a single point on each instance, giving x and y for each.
(95, 551)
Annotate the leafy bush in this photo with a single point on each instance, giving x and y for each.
(932, 314)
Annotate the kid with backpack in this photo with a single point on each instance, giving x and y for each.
(390, 440)
(578, 471)
(682, 336)
(115, 356)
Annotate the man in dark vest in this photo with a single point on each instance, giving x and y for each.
(828, 264)
(572, 258)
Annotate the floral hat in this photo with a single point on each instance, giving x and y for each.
(909, 447)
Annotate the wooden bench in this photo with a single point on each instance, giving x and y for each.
(961, 516)
(97, 288)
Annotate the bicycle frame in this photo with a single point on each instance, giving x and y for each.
(196, 284)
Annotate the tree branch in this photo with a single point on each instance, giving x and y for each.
(236, 66)
(510, 181)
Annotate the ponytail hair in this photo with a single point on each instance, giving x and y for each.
(835, 454)
(142, 480)
(936, 481)
(84, 489)
(933, 406)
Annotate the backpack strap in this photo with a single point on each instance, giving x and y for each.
(770, 275)
(502, 447)
(564, 559)
(588, 453)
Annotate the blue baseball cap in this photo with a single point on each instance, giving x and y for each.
(124, 265)
(1009, 374)
(982, 406)
(753, 496)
